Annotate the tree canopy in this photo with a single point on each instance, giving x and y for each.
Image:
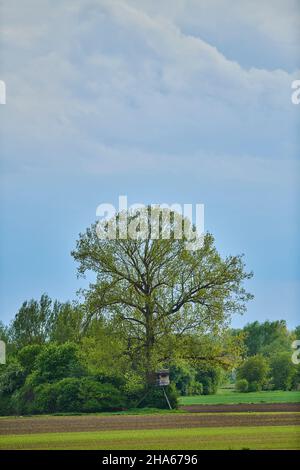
(160, 292)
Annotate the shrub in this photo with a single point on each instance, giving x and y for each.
(155, 397)
(27, 357)
(209, 376)
(22, 401)
(55, 363)
(45, 398)
(12, 377)
(5, 405)
(242, 385)
(82, 395)
(255, 370)
(183, 376)
(282, 371)
(116, 380)
(133, 387)
(195, 388)
(95, 396)
(68, 395)
(254, 387)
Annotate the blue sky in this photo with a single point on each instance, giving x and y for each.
(184, 101)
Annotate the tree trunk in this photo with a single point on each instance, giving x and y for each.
(149, 347)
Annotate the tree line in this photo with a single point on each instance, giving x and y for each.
(55, 363)
(153, 304)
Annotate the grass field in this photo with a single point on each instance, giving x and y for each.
(178, 431)
(229, 396)
(163, 430)
(264, 437)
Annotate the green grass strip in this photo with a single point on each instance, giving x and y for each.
(262, 437)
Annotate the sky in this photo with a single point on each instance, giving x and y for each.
(165, 101)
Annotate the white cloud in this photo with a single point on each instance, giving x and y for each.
(112, 75)
(175, 97)
(234, 25)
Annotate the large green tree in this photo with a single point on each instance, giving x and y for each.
(161, 293)
(282, 371)
(68, 322)
(34, 322)
(255, 370)
(267, 338)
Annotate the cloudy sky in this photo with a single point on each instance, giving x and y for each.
(185, 101)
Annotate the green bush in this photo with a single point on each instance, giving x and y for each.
(45, 398)
(242, 385)
(155, 398)
(5, 405)
(195, 388)
(12, 377)
(209, 376)
(282, 371)
(22, 401)
(68, 395)
(81, 395)
(115, 380)
(254, 387)
(95, 396)
(255, 370)
(183, 376)
(57, 362)
(133, 387)
(27, 357)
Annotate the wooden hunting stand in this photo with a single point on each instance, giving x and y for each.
(161, 379)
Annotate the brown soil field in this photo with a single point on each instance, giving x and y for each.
(243, 407)
(29, 425)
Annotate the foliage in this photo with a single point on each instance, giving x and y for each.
(68, 323)
(266, 338)
(12, 377)
(255, 370)
(209, 376)
(97, 396)
(153, 397)
(4, 332)
(27, 357)
(254, 386)
(242, 385)
(56, 362)
(33, 322)
(77, 395)
(183, 376)
(282, 371)
(158, 290)
(45, 398)
(133, 386)
(104, 348)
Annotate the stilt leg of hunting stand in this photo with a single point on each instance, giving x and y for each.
(167, 398)
(142, 399)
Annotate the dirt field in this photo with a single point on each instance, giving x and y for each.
(259, 407)
(57, 424)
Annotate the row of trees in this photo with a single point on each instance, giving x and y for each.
(153, 304)
(268, 357)
(57, 363)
